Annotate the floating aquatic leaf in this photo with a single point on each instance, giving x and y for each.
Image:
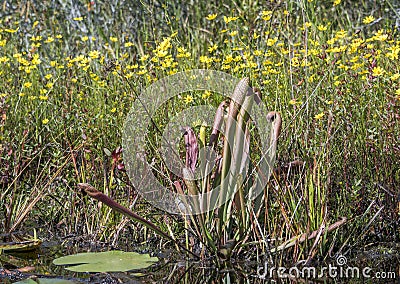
(18, 243)
(26, 281)
(20, 246)
(109, 261)
(45, 281)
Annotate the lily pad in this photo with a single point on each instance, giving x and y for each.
(110, 261)
(45, 281)
(22, 246)
(19, 243)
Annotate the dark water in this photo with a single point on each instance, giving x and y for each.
(376, 263)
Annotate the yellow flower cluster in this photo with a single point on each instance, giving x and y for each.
(264, 55)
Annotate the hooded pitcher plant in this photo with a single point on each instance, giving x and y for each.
(225, 218)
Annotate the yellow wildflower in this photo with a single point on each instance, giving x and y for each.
(211, 17)
(165, 44)
(4, 59)
(377, 71)
(319, 116)
(380, 36)
(45, 121)
(230, 19)
(182, 52)
(206, 95)
(27, 84)
(295, 102)
(228, 59)
(394, 77)
(336, 2)
(130, 67)
(206, 59)
(212, 48)
(129, 75)
(188, 99)
(368, 19)
(331, 41)
(161, 53)
(78, 19)
(49, 39)
(340, 34)
(94, 54)
(266, 15)
(237, 58)
(36, 38)
(11, 31)
(237, 49)
(295, 61)
(394, 52)
(307, 24)
(144, 57)
(141, 72)
(271, 41)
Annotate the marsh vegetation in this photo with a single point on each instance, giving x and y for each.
(71, 70)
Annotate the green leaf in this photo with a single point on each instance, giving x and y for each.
(53, 281)
(45, 281)
(26, 281)
(25, 245)
(109, 261)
